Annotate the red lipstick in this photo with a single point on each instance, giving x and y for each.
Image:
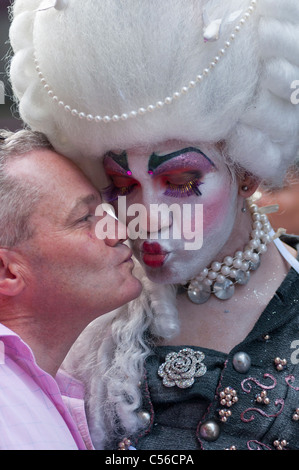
(153, 255)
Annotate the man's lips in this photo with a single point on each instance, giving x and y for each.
(153, 255)
(128, 256)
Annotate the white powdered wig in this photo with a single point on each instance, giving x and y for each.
(111, 57)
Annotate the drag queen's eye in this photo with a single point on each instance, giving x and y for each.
(190, 188)
(182, 171)
(117, 167)
(112, 192)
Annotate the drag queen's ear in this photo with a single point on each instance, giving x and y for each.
(248, 184)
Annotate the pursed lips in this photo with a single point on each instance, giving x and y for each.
(153, 255)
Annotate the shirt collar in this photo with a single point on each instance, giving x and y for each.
(4, 332)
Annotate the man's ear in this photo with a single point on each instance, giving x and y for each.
(11, 280)
(248, 184)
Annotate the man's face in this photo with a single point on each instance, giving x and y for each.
(68, 269)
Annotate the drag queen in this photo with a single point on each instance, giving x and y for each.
(185, 103)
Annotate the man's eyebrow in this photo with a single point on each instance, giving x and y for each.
(156, 160)
(84, 201)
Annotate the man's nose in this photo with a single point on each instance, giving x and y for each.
(109, 228)
(119, 235)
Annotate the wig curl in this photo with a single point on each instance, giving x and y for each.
(112, 57)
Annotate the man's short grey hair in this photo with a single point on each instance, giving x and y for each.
(17, 198)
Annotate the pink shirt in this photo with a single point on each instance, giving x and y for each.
(37, 412)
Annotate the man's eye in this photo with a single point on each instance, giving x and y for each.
(86, 218)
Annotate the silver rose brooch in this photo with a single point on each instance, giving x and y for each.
(181, 368)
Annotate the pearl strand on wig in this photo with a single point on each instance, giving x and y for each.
(152, 107)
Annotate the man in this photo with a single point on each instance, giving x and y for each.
(56, 276)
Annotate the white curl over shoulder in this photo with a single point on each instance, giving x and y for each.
(112, 57)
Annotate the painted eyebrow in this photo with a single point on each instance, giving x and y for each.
(156, 160)
(121, 160)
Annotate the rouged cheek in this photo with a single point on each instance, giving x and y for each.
(209, 212)
(218, 212)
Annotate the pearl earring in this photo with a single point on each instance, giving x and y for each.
(244, 188)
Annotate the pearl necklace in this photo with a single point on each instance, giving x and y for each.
(152, 107)
(220, 279)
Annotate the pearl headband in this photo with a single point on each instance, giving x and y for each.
(214, 27)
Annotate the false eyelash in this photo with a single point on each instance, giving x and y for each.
(111, 192)
(184, 190)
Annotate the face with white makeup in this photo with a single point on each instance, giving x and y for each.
(178, 173)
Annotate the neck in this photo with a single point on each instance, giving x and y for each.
(222, 324)
(49, 343)
(240, 256)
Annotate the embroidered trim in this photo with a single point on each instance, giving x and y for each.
(291, 378)
(279, 401)
(260, 445)
(264, 387)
